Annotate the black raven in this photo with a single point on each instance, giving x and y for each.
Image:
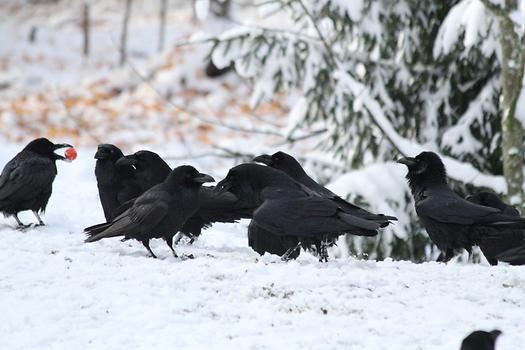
(292, 168)
(480, 340)
(152, 169)
(26, 182)
(290, 212)
(160, 212)
(452, 222)
(116, 184)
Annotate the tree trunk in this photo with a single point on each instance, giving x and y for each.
(124, 34)
(511, 128)
(85, 29)
(162, 24)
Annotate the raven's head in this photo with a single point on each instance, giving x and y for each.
(46, 148)
(188, 176)
(109, 152)
(425, 169)
(282, 161)
(143, 160)
(480, 340)
(249, 180)
(150, 168)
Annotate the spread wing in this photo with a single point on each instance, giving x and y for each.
(225, 207)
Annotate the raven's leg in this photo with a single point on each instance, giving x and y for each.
(323, 254)
(192, 238)
(40, 222)
(21, 226)
(169, 242)
(178, 237)
(446, 256)
(286, 256)
(450, 254)
(146, 244)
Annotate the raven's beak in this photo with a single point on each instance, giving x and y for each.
(265, 159)
(202, 178)
(408, 161)
(222, 187)
(59, 146)
(129, 160)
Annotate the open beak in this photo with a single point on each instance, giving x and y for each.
(59, 146)
(127, 161)
(264, 158)
(222, 187)
(203, 178)
(408, 161)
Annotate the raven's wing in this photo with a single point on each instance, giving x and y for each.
(455, 210)
(309, 216)
(263, 241)
(147, 212)
(312, 188)
(515, 256)
(224, 207)
(22, 178)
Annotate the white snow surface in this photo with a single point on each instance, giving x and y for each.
(59, 293)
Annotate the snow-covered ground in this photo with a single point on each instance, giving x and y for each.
(58, 293)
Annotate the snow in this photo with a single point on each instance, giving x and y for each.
(202, 8)
(60, 293)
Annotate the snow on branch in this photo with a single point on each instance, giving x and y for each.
(456, 170)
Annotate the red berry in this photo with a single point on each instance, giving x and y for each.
(70, 154)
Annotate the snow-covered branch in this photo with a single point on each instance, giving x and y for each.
(456, 170)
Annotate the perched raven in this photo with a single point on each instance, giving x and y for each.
(292, 168)
(452, 222)
(26, 182)
(480, 340)
(117, 184)
(160, 212)
(290, 212)
(151, 169)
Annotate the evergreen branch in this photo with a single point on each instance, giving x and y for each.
(327, 47)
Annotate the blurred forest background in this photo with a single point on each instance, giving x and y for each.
(346, 86)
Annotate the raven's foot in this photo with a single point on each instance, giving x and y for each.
(40, 222)
(146, 244)
(187, 256)
(23, 227)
